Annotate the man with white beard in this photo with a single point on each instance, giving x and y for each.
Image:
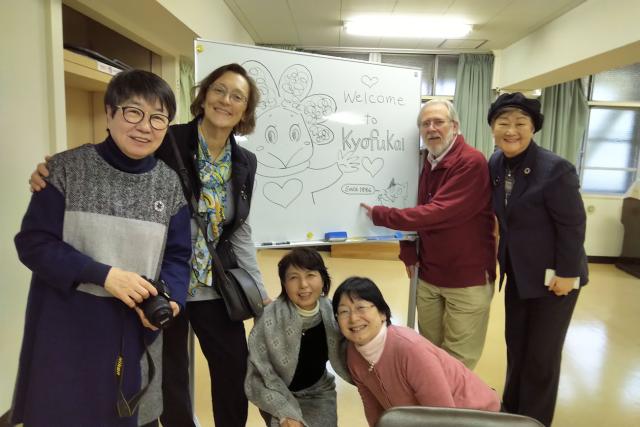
(455, 225)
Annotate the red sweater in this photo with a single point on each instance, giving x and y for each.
(414, 372)
(454, 220)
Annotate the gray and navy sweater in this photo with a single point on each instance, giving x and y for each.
(102, 209)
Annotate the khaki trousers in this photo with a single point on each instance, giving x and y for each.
(455, 319)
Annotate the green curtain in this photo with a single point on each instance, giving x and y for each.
(472, 99)
(185, 91)
(566, 113)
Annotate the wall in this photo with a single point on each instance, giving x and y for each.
(28, 135)
(604, 228)
(595, 36)
(209, 19)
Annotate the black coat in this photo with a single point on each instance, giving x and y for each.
(243, 172)
(543, 226)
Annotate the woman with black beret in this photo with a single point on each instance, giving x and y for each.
(542, 222)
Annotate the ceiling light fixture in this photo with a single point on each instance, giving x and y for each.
(406, 27)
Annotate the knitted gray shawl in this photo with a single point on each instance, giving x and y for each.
(274, 346)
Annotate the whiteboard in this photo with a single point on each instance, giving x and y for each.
(331, 133)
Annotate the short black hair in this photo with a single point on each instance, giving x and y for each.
(248, 122)
(361, 288)
(306, 258)
(144, 84)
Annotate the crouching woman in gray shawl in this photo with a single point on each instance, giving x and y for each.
(290, 344)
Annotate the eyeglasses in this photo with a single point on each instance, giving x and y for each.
(437, 124)
(135, 115)
(359, 309)
(222, 92)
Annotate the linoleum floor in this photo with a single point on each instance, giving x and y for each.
(600, 382)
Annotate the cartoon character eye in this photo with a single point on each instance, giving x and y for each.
(271, 134)
(294, 133)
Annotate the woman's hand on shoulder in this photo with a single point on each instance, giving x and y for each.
(561, 286)
(36, 181)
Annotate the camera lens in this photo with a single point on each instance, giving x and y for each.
(158, 311)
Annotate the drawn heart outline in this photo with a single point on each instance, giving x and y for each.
(282, 195)
(372, 166)
(369, 81)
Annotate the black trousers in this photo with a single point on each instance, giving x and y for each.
(535, 330)
(224, 345)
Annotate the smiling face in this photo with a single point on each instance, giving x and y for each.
(303, 287)
(224, 112)
(360, 321)
(139, 140)
(512, 132)
(436, 128)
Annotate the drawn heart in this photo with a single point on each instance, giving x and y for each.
(282, 195)
(369, 81)
(373, 167)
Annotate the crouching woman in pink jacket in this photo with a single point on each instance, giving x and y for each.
(395, 366)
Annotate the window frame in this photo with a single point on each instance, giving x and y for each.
(610, 105)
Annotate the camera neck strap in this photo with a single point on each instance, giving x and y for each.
(127, 408)
(218, 268)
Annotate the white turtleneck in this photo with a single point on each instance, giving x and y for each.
(308, 313)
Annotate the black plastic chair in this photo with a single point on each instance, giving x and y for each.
(423, 416)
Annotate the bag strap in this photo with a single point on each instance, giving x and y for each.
(186, 185)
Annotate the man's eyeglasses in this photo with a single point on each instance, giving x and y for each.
(359, 309)
(222, 92)
(437, 124)
(135, 115)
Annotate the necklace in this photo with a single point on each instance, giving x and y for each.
(509, 182)
(371, 365)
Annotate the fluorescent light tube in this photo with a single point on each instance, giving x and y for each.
(406, 27)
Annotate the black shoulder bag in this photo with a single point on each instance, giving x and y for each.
(239, 291)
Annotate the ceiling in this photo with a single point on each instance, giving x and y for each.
(318, 23)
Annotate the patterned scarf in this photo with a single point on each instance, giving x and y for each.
(213, 198)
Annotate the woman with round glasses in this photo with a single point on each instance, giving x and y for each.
(395, 366)
(221, 175)
(111, 216)
(289, 347)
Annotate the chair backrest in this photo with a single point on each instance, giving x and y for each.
(422, 416)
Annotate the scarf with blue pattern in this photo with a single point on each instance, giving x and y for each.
(214, 174)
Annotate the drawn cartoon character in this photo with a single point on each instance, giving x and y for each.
(394, 194)
(290, 126)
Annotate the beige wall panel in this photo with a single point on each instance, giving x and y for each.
(79, 117)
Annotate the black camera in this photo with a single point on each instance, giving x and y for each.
(157, 308)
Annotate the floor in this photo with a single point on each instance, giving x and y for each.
(600, 383)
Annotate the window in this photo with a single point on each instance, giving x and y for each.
(425, 62)
(349, 55)
(438, 71)
(611, 152)
(447, 72)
